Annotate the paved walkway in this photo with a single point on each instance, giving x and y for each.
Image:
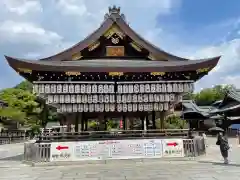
(208, 167)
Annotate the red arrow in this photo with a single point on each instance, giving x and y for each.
(61, 147)
(172, 144)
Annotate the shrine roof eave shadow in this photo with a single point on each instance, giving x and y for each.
(113, 65)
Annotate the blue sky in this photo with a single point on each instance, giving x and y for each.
(189, 28)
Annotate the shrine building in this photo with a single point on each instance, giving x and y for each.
(113, 73)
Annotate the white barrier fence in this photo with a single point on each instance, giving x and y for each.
(113, 149)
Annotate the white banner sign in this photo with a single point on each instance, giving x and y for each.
(103, 150)
(173, 148)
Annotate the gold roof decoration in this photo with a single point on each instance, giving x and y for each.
(24, 70)
(136, 46)
(93, 46)
(114, 30)
(77, 56)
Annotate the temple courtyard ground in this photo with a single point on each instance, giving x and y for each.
(208, 167)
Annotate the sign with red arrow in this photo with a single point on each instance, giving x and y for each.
(172, 144)
(61, 147)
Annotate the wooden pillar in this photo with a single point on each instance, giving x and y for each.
(105, 123)
(124, 122)
(162, 120)
(82, 122)
(76, 121)
(153, 120)
(142, 121)
(147, 122)
(85, 124)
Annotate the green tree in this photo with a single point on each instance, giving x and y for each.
(25, 85)
(22, 106)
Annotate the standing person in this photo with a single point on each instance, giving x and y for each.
(205, 139)
(222, 141)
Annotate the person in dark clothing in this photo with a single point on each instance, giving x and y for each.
(222, 141)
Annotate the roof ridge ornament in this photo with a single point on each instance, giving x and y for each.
(114, 10)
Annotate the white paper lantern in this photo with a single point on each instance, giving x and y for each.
(89, 88)
(85, 108)
(164, 88)
(140, 98)
(153, 88)
(129, 98)
(79, 98)
(41, 88)
(100, 98)
(125, 88)
(101, 107)
(160, 107)
(135, 107)
(119, 98)
(175, 87)
(73, 98)
(155, 106)
(75, 108)
(151, 98)
(145, 107)
(95, 99)
(112, 98)
(125, 107)
(91, 107)
(191, 87)
(167, 98)
(179, 98)
(35, 88)
(84, 98)
(169, 87)
(158, 88)
(59, 88)
(111, 88)
(112, 107)
(96, 107)
(147, 88)
(65, 88)
(67, 98)
(161, 97)
(90, 99)
(180, 87)
(129, 108)
(77, 88)
(69, 107)
(172, 97)
(130, 88)
(64, 108)
(71, 88)
(171, 107)
(106, 98)
(119, 107)
(53, 88)
(56, 99)
(185, 87)
(100, 88)
(62, 98)
(135, 98)
(47, 88)
(80, 107)
(136, 88)
(145, 98)
(107, 107)
(124, 98)
(140, 107)
(105, 89)
(119, 88)
(156, 98)
(165, 106)
(50, 99)
(94, 88)
(83, 89)
(142, 88)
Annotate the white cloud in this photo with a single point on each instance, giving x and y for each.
(21, 7)
(25, 32)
